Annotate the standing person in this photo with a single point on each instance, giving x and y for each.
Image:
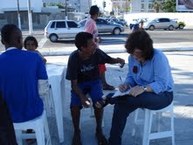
(31, 44)
(20, 72)
(83, 72)
(91, 27)
(149, 79)
(7, 133)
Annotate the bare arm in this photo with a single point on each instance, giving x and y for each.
(118, 60)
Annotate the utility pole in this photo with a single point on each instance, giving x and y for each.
(18, 15)
(30, 17)
(66, 7)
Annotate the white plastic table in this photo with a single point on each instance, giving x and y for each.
(56, 80)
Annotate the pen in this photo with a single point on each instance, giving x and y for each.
(120, 79)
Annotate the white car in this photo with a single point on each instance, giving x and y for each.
(62, 29)
(160, 23)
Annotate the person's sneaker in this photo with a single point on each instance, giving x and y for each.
(108, 87)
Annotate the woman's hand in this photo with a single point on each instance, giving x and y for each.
(123, 87)
(135, 91)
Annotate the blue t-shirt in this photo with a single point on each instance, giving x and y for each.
(19, 74)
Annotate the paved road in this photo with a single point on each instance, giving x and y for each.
(159, 36)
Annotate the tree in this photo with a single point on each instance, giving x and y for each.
(169, 6)
(156, 6)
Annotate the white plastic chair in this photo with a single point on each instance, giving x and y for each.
(147, 133)
(40, 127)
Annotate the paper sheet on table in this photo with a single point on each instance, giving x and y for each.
(119, 93)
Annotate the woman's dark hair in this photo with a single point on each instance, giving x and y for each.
(94, 10)
(82, 38)
(140, 39)
(30, 38)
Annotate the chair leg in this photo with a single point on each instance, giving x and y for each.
(146, 127)
(40, 136)
(19, 137)
(172, 127)
(136, 115)
(47, 133)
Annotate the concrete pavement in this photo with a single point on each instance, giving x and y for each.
(182, 69)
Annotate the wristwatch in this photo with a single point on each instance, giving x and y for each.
(145, 88)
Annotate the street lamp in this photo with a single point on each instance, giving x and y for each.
(29, 17)
(18, 15)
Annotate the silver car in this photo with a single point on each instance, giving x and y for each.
(160, 23)
(62, 29)
(104, 26)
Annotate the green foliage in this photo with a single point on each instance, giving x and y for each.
(157, 6)
(181, 23)
(60, 5)
(169, 6)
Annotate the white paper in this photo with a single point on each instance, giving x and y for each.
(119, 93)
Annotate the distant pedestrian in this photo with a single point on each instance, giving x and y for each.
(91, 27)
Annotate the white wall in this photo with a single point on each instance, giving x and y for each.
(36, 5)
(185, 17)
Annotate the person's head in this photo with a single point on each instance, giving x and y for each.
(94, 11)
(11, 36)
(30, 43)
(140, 45)
(85, 43)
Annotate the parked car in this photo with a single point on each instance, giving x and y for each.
(118, 21)
(160, 23)
(181, 24)
(105, 27)
(62, 29)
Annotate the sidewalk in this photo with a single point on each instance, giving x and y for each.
(182, 69)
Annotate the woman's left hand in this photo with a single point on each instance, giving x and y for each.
(137, 90)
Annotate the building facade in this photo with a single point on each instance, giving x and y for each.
(144, 5)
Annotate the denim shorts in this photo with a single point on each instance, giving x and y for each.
(92, 88)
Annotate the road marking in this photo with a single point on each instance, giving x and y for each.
(42, 42)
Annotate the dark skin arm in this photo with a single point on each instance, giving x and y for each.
(118, 60)
(83, 98)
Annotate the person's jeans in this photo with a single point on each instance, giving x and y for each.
(126, 104)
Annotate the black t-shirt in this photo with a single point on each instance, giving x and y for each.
(85, 70)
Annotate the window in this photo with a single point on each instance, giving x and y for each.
(72, 24)
(61, 24)
(53, 25)
(101, 21)
(164, 20)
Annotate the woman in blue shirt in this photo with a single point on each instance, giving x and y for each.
(149, 80)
